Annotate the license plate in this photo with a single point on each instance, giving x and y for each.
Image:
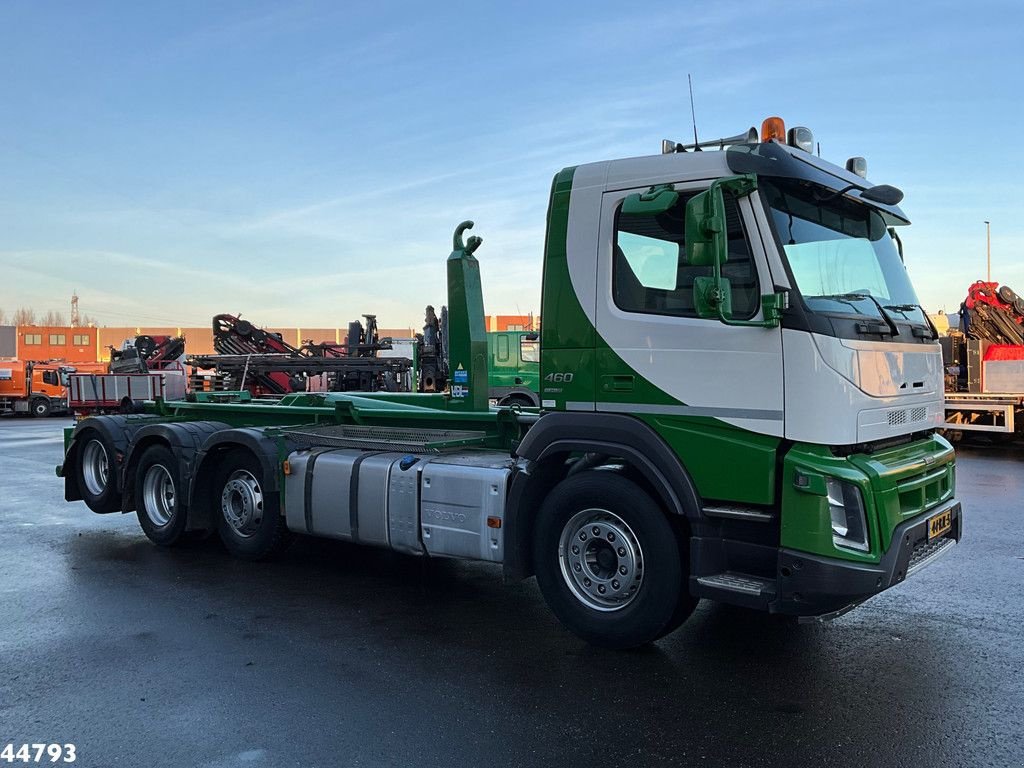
(939, 524)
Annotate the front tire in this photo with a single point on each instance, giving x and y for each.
(249, 518)
(40, 407)
(158, 500)
(608, 562)
(521, 400)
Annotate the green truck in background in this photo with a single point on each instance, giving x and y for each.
(513, 367)
(739, 401)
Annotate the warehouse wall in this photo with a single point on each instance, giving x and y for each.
(59, 343)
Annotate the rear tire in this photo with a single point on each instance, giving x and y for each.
(96, 472)
(249, 518)
(39, 407)
(158, 499)
(608, 562)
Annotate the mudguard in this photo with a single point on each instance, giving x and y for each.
(185, 439)
(264, 447)
(602, 433)
(616, 435)
(118, 430)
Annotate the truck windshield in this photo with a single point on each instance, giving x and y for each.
(840, 253)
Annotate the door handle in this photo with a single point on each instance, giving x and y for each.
(618, 383)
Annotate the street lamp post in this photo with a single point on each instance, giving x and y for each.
(988, 251)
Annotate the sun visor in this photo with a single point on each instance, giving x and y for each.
(772, 159)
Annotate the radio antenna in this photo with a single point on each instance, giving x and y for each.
(693, 116)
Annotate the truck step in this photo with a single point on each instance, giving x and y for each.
(739, 583)
(372, 438)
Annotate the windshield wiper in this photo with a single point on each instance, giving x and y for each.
(928, 325)
(849, 298)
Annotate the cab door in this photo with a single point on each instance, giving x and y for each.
(712, 390)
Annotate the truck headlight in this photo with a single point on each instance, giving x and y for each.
(849, 523)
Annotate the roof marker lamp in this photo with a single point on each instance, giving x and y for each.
(858, 165)
(801, 138)
(773, 128)
(846, 508)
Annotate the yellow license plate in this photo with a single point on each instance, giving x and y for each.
(939, 524)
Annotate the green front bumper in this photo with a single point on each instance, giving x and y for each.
(898, 485)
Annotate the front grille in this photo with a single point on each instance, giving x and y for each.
(923, 491)
(927, 551)
(899, 417)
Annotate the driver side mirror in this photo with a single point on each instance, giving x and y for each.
(707, 245)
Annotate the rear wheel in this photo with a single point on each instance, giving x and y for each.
(608, 562)
(96, 474)
(39, 407)
(249, 516)
(158, 501)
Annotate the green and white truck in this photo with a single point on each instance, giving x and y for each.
(739, 401)
(513, 367)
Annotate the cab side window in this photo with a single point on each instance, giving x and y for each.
(529, 350)
(649, 273)
(503, 348)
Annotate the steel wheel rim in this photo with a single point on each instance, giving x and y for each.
(158, 495)
(601, 560)
(95, 467)
(241, 503)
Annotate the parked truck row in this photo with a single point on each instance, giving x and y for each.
(36, 388)
(739, 401)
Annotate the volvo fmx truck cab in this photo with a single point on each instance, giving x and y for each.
(739, 398)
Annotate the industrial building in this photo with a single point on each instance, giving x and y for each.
(92, 344)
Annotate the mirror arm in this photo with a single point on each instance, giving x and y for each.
(899, 243)
(771, 304)
(706, 226)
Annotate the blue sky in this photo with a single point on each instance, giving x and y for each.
(305, 162)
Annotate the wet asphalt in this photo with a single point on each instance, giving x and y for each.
(340, 656)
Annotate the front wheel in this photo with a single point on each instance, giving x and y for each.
(40, 407)
(249, 516)
(608, 562)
